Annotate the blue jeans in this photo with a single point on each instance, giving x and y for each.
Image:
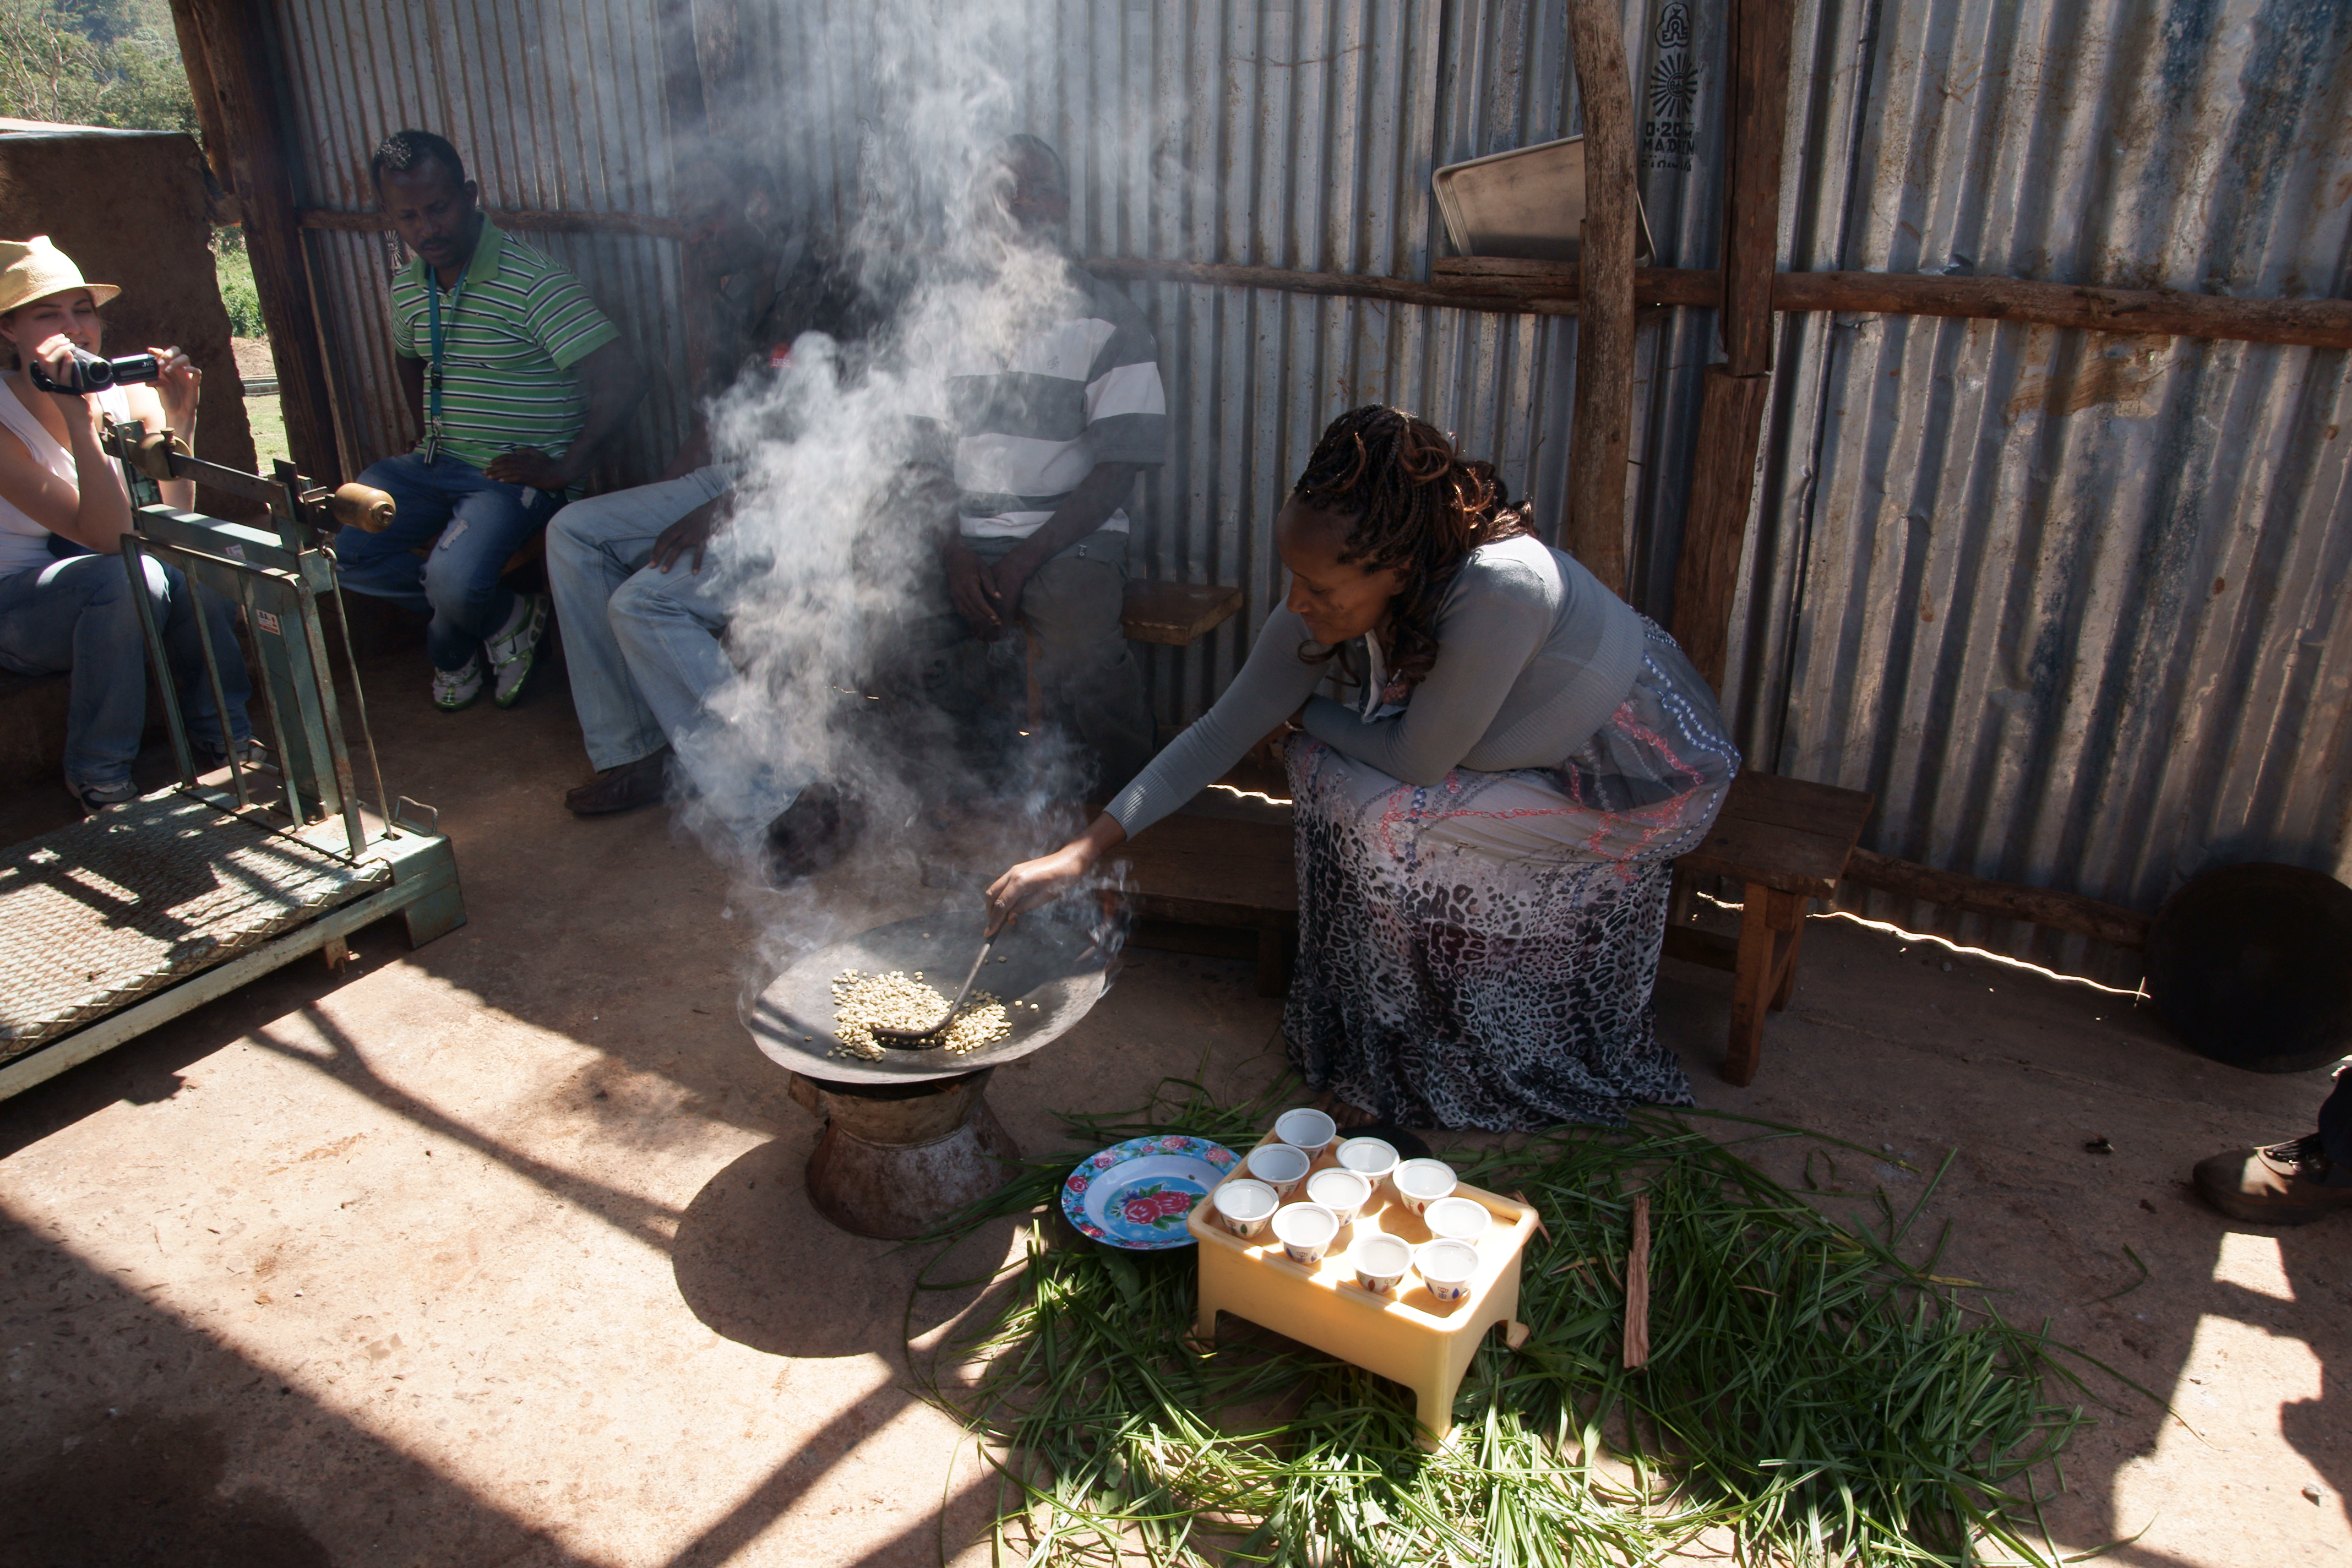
(643, 649)
(78, 616)
(471, 524)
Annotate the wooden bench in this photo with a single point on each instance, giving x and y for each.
(1224, 886)
(1174, 613)
(1786, 841)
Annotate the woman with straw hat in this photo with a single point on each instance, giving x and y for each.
(66, 603)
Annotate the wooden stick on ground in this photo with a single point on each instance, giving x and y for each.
(1637, 1288)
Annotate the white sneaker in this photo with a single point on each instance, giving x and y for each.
(511, 656)
(456, 689)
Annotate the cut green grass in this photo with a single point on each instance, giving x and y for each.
(1816, 1392)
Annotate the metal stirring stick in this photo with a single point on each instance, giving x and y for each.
(888, 1031)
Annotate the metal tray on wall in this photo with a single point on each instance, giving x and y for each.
(1528, 203)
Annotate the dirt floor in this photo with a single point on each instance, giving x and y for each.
(496, 1252)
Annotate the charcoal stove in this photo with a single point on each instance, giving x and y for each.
(909, 1137)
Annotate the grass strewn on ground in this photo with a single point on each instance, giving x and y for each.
(1815, 1389)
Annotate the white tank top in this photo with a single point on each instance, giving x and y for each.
(24, 544)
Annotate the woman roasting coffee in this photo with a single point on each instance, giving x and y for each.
(1485, 827)
(66, 601)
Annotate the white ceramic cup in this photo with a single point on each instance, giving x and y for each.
(1371, 1158)
(1381, 1262)
(1305, 1231)
(1420, 1183)
(1344, 1193)
(1306, 1129)
(1278, 1165)
(1457, 1219)
(1244, 1206)
(1445, 1266)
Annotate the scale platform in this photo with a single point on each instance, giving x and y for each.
(139, 913)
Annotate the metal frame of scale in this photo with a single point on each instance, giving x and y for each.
(297, 822)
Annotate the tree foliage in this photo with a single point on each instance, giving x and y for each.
(93, 62)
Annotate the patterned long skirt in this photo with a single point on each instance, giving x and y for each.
(1481, 952)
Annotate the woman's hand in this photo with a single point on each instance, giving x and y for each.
(179, 386)
(55, 357)
(1033, 883)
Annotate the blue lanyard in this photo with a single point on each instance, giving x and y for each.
(433, 298)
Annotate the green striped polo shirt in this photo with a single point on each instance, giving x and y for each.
(519, 324)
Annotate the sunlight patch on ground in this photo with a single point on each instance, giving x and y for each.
(2252, 1263)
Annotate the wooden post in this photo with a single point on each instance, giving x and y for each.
(1736, 394)
(235, 70)
(1601, 441)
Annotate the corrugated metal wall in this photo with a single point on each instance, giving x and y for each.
(2071, 604)
(552, 107)
(2065, 602)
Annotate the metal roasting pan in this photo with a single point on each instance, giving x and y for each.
(1051, 959)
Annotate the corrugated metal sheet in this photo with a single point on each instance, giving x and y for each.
(2069, 603)
(553, 108)
(2064, 602)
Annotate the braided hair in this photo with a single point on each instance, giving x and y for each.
(1413, 503)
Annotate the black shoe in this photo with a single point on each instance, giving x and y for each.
(96, 798)
(814, 832)
(625, 788)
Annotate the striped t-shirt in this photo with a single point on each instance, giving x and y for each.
(510, 331)
(1081, 391)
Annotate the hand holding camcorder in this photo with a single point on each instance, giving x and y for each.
(90, 373)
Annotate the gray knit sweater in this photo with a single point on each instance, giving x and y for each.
(1533, 655)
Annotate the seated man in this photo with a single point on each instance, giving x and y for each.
(641, 618)
(518, 382)
(1048, 441)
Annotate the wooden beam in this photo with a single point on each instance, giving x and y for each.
(2008, 901)
(1543, 298)
(1735, 397)
(509, 218)
(1600, 439)
(235, 58)
(2315, 324)
(1731, 410)
(1760, 31)
(2310, 323)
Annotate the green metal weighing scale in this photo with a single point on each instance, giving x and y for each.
(144, 911)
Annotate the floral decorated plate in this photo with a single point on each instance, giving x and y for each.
(1136, 1195)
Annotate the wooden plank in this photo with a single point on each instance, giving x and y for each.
(342, 222)
(1760, 32)
(2013, 900)
(1824, 809)
(2317, 323)
(1354, 285)
(1600, 439)
(1174, 613)
(245, 99)
(1786, 859)
(1731, 411)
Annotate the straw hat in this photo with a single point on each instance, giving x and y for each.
(34, 269)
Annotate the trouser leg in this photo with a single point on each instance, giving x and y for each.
(387, 565)
(177, 607)
(593, 548)
(1085, 672)
(488, 523)
(77, 617)
(668, 625)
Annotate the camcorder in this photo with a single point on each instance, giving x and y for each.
(93, 372)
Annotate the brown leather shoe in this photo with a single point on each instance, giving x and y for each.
(625, 788)
(2285, 1184)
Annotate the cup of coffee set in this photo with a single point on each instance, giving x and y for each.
(1304, 1189)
